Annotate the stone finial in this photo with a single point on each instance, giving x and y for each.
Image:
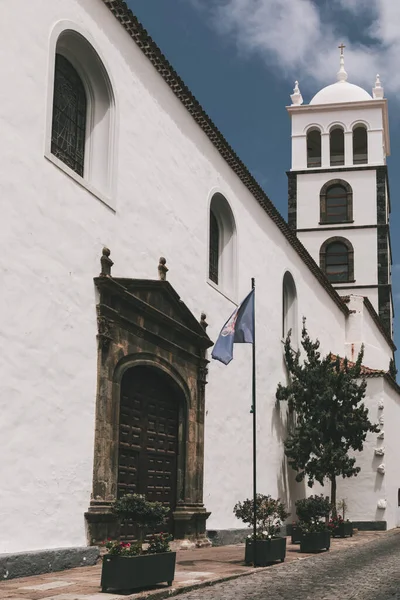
(382, 503)
(381, 469)
(381, 435)
(381, 405)
(381, 420)
(296, 97)
(106, 263)
(162, 269)
(203, 321)
(379, 451)
(377, 91)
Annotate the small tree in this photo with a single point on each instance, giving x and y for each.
(326, 395)
(270, 515)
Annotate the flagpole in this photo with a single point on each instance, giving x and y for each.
(253, 286)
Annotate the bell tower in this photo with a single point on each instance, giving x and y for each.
(339, 201)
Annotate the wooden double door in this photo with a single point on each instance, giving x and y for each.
(148, 439)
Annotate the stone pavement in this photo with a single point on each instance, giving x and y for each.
(197, 568)
(361, 572)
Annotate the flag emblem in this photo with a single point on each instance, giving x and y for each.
(229, 327)
(239, 329)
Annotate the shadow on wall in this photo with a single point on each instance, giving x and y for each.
(375, 463)
(289, 490)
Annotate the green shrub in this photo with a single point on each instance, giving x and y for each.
(312, 509)
(270, 515)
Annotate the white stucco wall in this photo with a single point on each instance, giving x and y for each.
(391, 418)
(363, 491)
(361, 330)
(371, 292)
(53, 230)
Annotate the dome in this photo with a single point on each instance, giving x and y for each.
(341, 91)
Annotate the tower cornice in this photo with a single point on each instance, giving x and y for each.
(344, 106)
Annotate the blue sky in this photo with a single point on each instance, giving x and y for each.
(240, 59)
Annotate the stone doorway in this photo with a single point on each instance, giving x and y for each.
(152, 355)
(148, 452)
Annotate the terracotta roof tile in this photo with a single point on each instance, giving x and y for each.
(368, 372)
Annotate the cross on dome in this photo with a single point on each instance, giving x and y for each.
(342, 75)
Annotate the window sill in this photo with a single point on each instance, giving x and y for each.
(335, 224)
(220, 291)
(80, 180)
(342, 282)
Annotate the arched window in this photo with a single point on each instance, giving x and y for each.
(68, 130)
(82, 127)
(289, 308)
(360, 145)
(222, 246)
(336, 141)
(337, 260)
(336, 202)
(313, 148)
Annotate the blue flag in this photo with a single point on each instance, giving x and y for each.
(238, 329)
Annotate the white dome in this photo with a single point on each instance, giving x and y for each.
(341, 91)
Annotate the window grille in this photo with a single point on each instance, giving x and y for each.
(336, 205)
(214, 249)
(337, 262)
(360, 146)
(313, 148)
(69, 116)
(336, 140)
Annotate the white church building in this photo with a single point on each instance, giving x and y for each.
(108, 163)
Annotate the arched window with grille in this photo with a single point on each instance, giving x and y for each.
(80, 136)
(336, 145)
(222, 246)
(336, 202)
(337, 260)
(313, 148)
(68, 132)
(360, 145)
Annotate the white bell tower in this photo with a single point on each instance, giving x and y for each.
(339, 202)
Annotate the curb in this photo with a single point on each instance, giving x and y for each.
(188, 588)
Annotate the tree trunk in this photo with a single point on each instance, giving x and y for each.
(333, 495)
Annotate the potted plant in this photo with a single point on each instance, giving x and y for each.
(271, 513)
(338, 525)
(296, 533)
(128, 566)
(315, 535)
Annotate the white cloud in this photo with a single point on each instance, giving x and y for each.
(296, 39)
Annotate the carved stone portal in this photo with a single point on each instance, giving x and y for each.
(143, 323)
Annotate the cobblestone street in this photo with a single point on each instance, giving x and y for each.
(369, 572)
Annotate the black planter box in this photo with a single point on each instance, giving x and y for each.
(343, 530)
(315, 542)
(128, 573)
(296, 534)
(267, 551)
